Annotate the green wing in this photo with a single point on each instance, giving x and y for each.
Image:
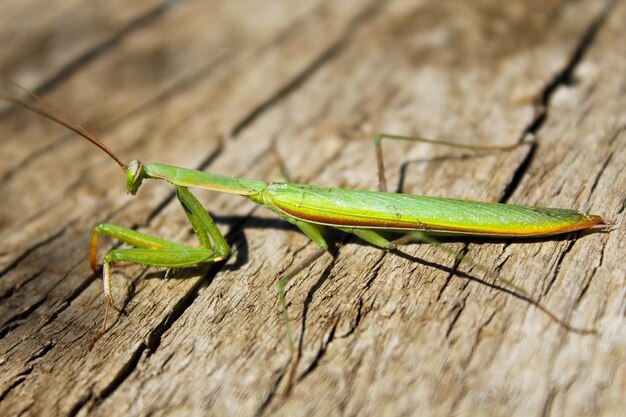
(389, 211)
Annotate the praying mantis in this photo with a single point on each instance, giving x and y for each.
(369, 215)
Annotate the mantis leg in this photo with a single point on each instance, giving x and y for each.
(382, 182)
(282, 283)
(129, 236)
(203, 225)
(368, 235)
(314, 232)
(284, 172)
(169, 258)
(460, 256)
(154, 251)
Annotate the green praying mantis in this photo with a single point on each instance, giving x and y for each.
(370, 215)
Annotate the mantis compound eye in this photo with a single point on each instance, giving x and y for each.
(134, 176)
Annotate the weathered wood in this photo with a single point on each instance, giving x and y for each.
(211, 85)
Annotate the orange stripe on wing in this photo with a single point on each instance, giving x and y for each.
(592, 220)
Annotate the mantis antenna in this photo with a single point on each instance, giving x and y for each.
(64, 120)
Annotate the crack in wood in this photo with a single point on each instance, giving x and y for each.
(11, 290)
(557, 268)
(319, 62)
(13, 322)
(97, 51)
(562, 78)
(600, 173)
(34, 247)
(17, 381)
(458, 309)
(585, 288)
(320, 354)
(154, 341)
(174, 89)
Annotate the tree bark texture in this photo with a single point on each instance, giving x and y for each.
(216, 86)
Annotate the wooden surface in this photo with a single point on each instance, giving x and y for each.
(210, 85)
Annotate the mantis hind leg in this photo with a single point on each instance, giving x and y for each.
(382, 182)
(460, 256)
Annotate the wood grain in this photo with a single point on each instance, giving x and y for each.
(211, 85)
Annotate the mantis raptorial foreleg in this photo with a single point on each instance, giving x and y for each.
(154, 251)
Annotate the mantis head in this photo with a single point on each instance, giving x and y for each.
(134, 176)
